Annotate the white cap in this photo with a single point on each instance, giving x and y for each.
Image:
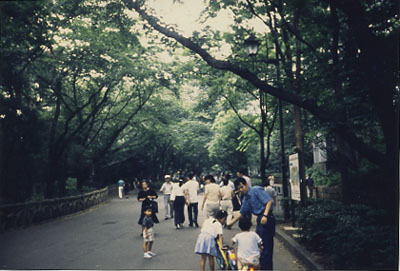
(167, 177)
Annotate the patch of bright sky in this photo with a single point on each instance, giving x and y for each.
(185, 17)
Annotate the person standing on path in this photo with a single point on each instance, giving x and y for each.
(241, 174)
(191, 187)
(212, 197)
(148, 234)
(270, 190)
(230, 183)
(146, 196)
(226, 199)
(206, 241)
(121, 185)
(178, 199)
(166, 188)
(257, 201)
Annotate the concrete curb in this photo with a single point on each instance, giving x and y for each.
(297, 250)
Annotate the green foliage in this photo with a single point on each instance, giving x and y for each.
(71, 185)
(355, 236)
(223, 148)
(322, 177)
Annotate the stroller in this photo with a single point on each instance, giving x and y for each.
(226, 259)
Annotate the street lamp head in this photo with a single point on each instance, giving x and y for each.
(251, 45)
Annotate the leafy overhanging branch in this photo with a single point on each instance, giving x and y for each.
(310, 105)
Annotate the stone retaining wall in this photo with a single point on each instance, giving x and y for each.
(24, 214)
(328, 192)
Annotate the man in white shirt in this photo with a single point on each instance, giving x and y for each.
(166, 188)
(191, 187)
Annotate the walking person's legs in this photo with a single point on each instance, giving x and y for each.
(176, 211)
(211, 262)
(166, 205)
(190, 214)
(227, 206)
(144, 247)
(171, 209)
(182, 210)
(195, 213)
(203, 261)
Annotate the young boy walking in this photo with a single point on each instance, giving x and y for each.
(249, 245)
(148, 234)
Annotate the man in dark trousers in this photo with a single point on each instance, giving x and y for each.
(257, 201)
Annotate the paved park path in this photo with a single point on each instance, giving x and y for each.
(108, 237)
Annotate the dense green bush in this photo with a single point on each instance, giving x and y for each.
(322, 177)
(355, 236)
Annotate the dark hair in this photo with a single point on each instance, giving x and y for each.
(210, 177)
(190, 175)
(245, 223)
(181, 181)
(221, 214)
(242, 170)
(239, 181)
(147, 208)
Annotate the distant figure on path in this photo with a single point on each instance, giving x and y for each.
(148, 234)
(166, 188)
(270, 190)
(146, 196)
(227, 195)
(178, 199)
(121, 185)
(212, 197)
(310, 184)
(241, 174)
(230, 183)
(191, 187)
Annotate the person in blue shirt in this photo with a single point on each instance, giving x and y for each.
(257, 201)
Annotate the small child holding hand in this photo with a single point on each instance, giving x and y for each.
(206, 245)
(148, 234)
(249, 245)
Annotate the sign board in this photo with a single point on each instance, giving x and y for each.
(294, 176)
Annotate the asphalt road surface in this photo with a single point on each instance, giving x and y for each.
(108, 237)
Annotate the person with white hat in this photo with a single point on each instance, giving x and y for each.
(166, 188)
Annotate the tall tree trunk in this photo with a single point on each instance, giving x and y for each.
(262, 142)
(337, 87)
(2, 154)
(297, 116)
(51, 178)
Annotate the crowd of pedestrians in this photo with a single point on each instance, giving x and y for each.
(220, 201)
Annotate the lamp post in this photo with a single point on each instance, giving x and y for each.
(251, 44)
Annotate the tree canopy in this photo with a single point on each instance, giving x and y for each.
(85, 93)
